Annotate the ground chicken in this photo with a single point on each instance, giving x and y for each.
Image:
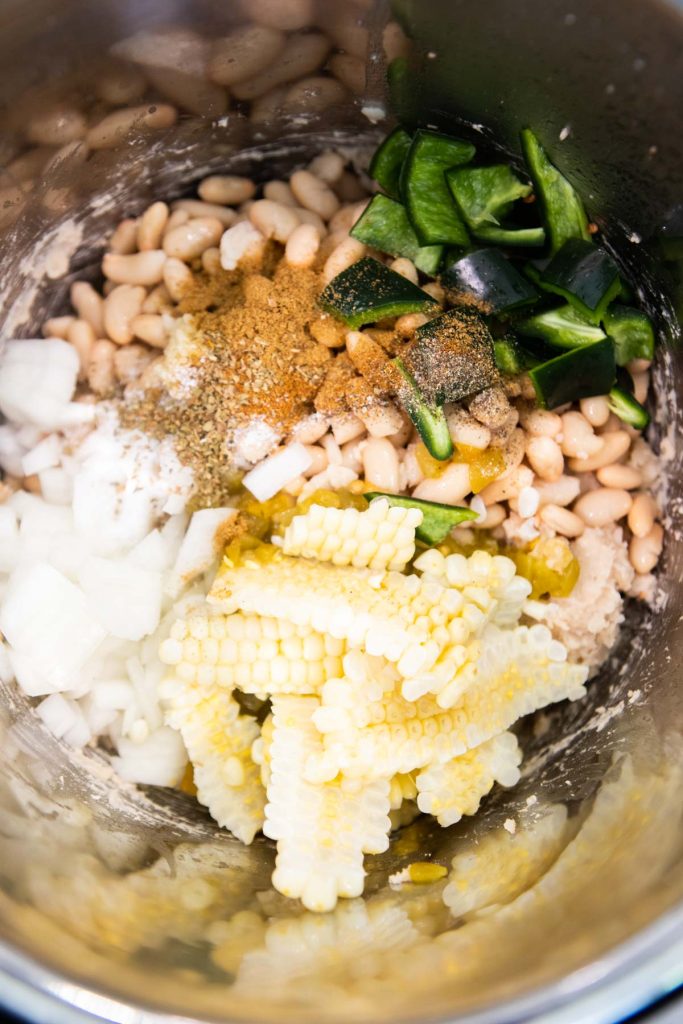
(588, 620)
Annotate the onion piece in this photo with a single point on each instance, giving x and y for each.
(125, 598)
(159, 760)
(48, 620)
(37, 380)
(200, 547)
(275, 472)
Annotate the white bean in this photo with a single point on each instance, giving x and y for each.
(190, 92)
(352, 453)
(559, 492)
(381, 464)
(244, 53)
(319, 459)
(158, 300)
(121, 307)
(603, 506)
(344, 219)
(328, 166)
(615, 445)
(314, 95)
(279, 192)
(540, 422)
(211, 260)
(101, 375)
(507, 486)
(616, 475)
(302, 246)
(644, 552)
(639, 365)
(495, 515)
(346, 253)
(176, 218)
(641, 384)
(267, 107)
(595, 409)
(151, 226)
(144, 268)
(273, 220)
(492, 408)
(562, 521)
(120, 86)
(130, 361)
(287, 15)
(465, 430)
(82, 337)
(302, 54)
(124, 241)
(345, 427)
(57, 327)
(434, 289)
(113, 128)
(449, 488)
(89, 305)
(197, 208)
(641, 517)
(309, 217)
(313, 194)
(350, 71)
(188, 241)
(545, 457)
(241, 241)
(226, 189)
(149, 327)
(408, 323)
(310, 429)
(382, 420)
(578, 439)
(177, 278)
(406, 268)
(56, 127)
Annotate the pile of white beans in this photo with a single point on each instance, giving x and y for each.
(292, 57)
(566, 470)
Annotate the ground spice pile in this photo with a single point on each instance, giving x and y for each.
(244, 353)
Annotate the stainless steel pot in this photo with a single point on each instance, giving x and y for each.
(127, 906)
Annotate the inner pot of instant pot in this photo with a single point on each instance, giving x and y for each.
(122, 901)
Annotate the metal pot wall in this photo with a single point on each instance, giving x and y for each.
(127, 905)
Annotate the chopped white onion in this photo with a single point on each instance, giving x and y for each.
(12, 451)
(159, 760)
(275, 472)
(56, 486)
(125, 598)
(151, 553)
(200, 547)
(37, 380)
(58, 713)
(49, 620)
(9, 537)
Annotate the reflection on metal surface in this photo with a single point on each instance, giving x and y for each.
(114, 899)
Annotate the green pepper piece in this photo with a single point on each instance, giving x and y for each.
(632, 333)
(510, 236)
(429, 419)
(451, 357)
(584, 275)
(367, 291)
(386, 163)
(485, 194)
(563, 211)
(438, 520)
(627, 408)
(508, 356)
(428, 200)
(486, 280)
(385, 226)
(580, 373)
(562, 328)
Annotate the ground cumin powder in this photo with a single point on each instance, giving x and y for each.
(256, 359)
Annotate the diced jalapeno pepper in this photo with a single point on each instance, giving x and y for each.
(368, 291)
(438, 520)
(563, 211)
(428, 200)
(628, 408)
(385, 226)
(429, 418)
(582, 372)
(385, 166)
(562, 328)
(632, 333)
(488, 281)
(585, 275)
(485, 194)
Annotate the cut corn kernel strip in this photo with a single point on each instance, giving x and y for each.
(524, 670)
(421, 624)
(381, 537)
(219, 741)
(323, 830)
(451, 790)
(258, 655)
